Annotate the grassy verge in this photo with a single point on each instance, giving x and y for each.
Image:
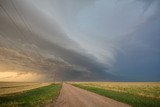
(133, 100)
(30, 98)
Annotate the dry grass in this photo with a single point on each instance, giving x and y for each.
(136, 94)
(14, 87)
(38, 97)
(146, 89)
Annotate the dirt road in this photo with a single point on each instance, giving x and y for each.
(71, 96)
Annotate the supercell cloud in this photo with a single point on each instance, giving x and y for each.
(74, 40)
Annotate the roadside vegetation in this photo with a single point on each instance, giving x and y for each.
(30, 98)
(14, 87)
(136, 94)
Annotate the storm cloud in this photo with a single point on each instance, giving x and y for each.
(73, 40)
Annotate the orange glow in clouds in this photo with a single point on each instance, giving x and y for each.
(14, 76)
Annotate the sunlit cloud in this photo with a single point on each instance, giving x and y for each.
(16, 76)
(80, 40)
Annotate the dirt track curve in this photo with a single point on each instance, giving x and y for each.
(71, 96)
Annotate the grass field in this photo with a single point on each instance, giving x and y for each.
(34, 97)
(13, 87)
(137, 94)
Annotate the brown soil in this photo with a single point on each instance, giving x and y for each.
(71, 96)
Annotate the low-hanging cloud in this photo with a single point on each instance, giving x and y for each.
(32, 42)
(73, 40)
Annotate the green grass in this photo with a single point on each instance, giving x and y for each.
(30, 98)
(131, 99)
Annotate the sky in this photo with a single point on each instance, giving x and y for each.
(79, 40)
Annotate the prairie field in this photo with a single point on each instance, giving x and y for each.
(146, 89)
(14, 87)
(27, 94)
(137, 94)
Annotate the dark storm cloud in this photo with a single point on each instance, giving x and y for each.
(33, 42)
(81, 40)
